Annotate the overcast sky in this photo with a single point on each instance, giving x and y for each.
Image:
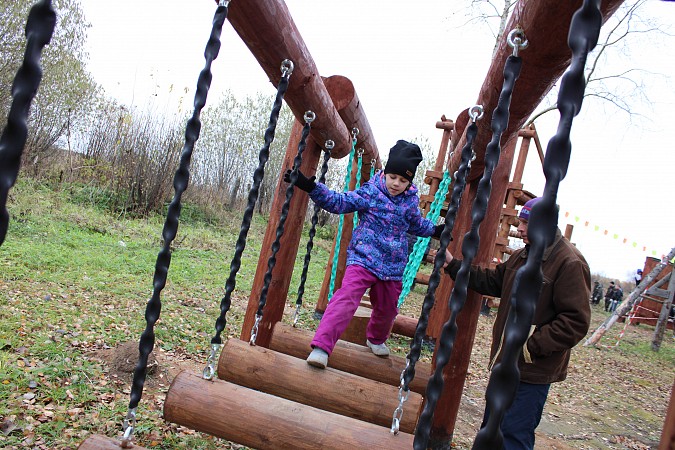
(411, 63)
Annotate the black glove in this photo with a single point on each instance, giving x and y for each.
(438, 230)
(304, 183)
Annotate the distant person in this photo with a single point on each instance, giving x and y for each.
(597, 293)
(609, 294)
(638, 277)
(561, 319)
(388, 207)
(617, 296)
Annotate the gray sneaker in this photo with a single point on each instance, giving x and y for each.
(318, 358)
(379, 349)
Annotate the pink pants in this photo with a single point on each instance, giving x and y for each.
(341, 308)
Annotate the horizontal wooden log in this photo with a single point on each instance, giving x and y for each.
(427, 198)
(349, 357)
(445, 124)
(543, 62)
(263, 421)
(422, 278)
(404, 325)
(658, 292)
(356, 331)
(351, 111)
(437, 174)
(98, 442)
(328, 389)
(268, 30)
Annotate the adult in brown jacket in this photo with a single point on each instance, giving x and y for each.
(561, 319)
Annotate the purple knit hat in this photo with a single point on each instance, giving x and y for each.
(527, 207)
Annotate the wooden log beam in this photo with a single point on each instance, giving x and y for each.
(329, 389)
(98, 442)
(668, 434)
(546, 25)
(455, 371)
(268, 30)
(351, 111)
(349, 357)
(405, 325)
(263, 421)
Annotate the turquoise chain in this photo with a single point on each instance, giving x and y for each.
(359, 165)
(415, 259)
(338, 237)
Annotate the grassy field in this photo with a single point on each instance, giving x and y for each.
(74, 282)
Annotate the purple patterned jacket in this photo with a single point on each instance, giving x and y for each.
(379, 242)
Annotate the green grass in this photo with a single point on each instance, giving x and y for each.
(75, 280)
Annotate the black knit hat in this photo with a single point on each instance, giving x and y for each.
(404, 157)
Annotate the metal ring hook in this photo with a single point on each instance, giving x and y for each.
(224, 3)
(329, 145)
(517, 40)
(476, 112)
(287, 67)
(355, 132)
(309, 116)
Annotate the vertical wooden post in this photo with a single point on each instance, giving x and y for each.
(569, 228)
(447, 126)
(668, 434)
(508, 218)
(662, 322)
(281, 275)
(467, 320)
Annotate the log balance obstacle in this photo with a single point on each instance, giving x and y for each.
(330, 389)
(282, 424)
(352, 358)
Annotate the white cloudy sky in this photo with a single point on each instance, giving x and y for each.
(410, 64)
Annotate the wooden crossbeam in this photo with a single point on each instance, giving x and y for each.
(328, 389)
(352, 358)
(266, 422)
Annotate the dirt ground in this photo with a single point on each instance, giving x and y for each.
(607, 402)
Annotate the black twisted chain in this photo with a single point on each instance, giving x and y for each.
(180, 183)
(258, 176)
(271, 262)
(39, 30)
(500, 118)
(434, 279)
(504, 379)
(312, 232)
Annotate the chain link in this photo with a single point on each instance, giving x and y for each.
(129, 427)
(296, 315)
(210, 369)
(254, 332)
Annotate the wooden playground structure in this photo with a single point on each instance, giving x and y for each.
(359, 392)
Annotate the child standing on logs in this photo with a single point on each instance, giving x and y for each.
(388, 208)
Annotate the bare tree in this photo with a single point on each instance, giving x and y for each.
(620, 37)
(66, 94)
(232, 136)
(491, 12)
(625, 31)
